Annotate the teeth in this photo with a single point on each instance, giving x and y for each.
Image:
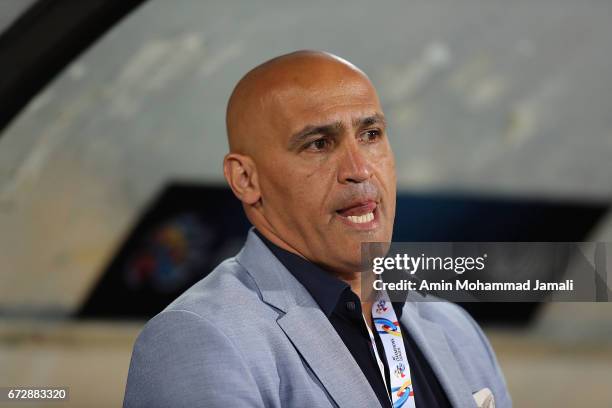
(360, 219)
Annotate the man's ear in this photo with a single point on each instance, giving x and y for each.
(241, 175)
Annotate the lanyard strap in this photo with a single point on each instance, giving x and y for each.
(379, 362)
(388, 328)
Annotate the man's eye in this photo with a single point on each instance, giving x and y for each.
(371, 135)
(317, 145)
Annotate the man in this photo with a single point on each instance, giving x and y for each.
(283, 323)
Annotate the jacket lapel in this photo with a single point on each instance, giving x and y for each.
(307, 327)
(319, 344)
(432, 342)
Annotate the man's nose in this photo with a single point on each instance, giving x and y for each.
(354, 166)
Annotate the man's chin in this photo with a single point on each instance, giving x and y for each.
(346, 249)
(349, 260)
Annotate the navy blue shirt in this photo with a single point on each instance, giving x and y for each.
(343, 309)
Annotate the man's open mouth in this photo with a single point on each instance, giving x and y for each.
(360, 219)
(363, 213)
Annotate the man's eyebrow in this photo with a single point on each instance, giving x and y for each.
(370, 120)
(333, 128)
(328, 129)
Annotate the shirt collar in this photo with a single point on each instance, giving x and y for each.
(325, 288)
(322, 286)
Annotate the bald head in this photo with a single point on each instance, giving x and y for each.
(256, 94)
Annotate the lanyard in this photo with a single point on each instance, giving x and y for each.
(388, 328)
(381, 367)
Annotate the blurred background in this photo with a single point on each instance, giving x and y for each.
(112, 198)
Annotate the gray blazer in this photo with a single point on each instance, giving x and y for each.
(250, 335)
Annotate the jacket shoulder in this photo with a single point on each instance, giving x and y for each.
(229, 287)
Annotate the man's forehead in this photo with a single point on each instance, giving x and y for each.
(325, 99)
(323, 91)
(295, 90)
(295, 112)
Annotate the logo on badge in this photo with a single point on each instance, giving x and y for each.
(400, 370)
(381, 306)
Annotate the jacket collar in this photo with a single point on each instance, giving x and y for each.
(324, 288)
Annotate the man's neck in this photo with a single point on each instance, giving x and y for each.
(353, 279)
